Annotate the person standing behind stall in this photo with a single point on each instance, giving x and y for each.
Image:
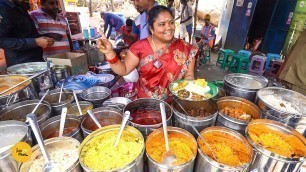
(208, 32)
(111, 20)
(170, 6)
(136, 23)
(186, 20)
(48, 22)
(126, 31)
(145, 5)
(18, 35)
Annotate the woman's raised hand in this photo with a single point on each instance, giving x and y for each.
(104, 45)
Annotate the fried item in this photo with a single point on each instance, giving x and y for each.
(236, 113)
(196, 96)
(183, 94)
(280, 143)
(180, 85)
(228, 149)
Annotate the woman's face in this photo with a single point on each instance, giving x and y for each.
(163, 27)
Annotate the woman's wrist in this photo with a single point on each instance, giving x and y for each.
(112, 58)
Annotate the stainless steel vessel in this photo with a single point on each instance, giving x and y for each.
(136, 165)
(52, 98)
(96, 95)
(23, 92)
(200, 123)
(117, 102)
(265, 160)
(144, 106)
(54, 144)
(236, 102)
(186, 167)
(51, 126)
(205, 163)
(297, 101)
(12, 132)
(84, 105)
(243, 85)
(105, 115)
(19, 111)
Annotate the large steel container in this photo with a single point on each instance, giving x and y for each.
(52, 98)
(12, 132)
(54, 144)
(243, 85)
(50, 127)
(200, 123)
(155, 166)
(297, 100)
(96, 95)
(20, 110)
(105, 115)
(22, 92)
(143, 109)
(136, 165)
(265, 160)
(236, 102)
(117, 102)
(42, 82)
(84, 105)
(205, 163)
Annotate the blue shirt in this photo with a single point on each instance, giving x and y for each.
(17, 35)
(112, 20)
(144, 26)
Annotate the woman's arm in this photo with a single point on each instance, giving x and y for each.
(190, 73)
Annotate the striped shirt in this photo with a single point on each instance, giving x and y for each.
(46, 24)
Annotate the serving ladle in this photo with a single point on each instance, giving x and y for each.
(62, 122)
(77, 102)
(200, 136)
(61, 92)
(35, 108)
(50, 165)
(93, 117)
(168, 158)
(126, 116)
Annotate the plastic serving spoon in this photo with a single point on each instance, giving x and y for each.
(126, 116)
(33, 111)
(60, 96)
(77, 102)
(168, 158)
(49, 166)
(93, 117)
(62, 122)
(201, 137)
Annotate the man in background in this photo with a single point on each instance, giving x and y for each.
(136, 23)
(18, 35)
(126, 31)
(185, 20)
(145, 5)
(111, 20)
(49, 23)
(208, 32)
(170, 6)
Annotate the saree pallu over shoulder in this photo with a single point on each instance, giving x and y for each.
(174, 59)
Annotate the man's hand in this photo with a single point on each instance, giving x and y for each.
(44, 42)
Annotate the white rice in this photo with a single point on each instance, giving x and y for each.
(280, 104)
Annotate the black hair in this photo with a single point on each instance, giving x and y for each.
(43, 1)
(154, 12)
(129, 22)
(170, 0)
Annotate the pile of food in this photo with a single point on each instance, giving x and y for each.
(279, 103)
(65, 158)
(9, 81)
(99, 153)
(229, 150)
(199, 112)
(278, 142)
(192, 90)
(237, 113)
(180, 145)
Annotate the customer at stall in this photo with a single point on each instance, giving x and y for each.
(136, 23)
(208, 32)
(145, 5)
(171, 7)
(160, 58)
(126, 31)
(111, 20)
(18, 35)
(49, 23)
(185, 20)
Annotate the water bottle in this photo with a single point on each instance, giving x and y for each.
(92, 32)
(85, 33)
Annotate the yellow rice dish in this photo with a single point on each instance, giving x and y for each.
(99, 153)
(228, 149)
(180, 145)
(283, 144)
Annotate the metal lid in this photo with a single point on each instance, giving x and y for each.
(246, 81)
(28, 68)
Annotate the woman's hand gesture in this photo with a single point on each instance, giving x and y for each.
(104, 45)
